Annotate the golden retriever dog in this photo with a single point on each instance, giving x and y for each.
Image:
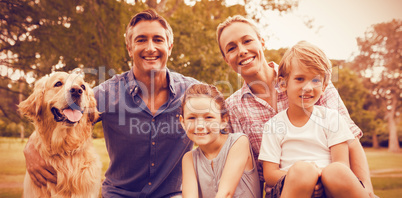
(63, 110)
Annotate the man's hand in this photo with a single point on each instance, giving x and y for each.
(37, 168)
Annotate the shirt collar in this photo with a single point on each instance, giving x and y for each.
(133, 84)
(246, 89)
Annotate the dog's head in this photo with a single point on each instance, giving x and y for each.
(63, 98)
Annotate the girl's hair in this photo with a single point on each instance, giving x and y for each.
(229, 21)
(307, 55)
(200, 90)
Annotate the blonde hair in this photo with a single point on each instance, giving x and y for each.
(308, 55)
(229, 21)
(148, 15)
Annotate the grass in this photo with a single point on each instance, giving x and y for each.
(386, 168)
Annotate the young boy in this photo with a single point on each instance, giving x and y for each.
(306, 145)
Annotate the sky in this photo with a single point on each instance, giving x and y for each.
(336, 25)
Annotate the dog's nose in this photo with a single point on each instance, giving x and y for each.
(76, 91)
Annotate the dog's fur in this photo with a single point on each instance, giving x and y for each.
(64, 144)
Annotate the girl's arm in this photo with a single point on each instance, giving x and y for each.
(272, 173)
(340, 153)
(238, 158)
(189, 183)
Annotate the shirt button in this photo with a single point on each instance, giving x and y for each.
(153, 120)
(149, 183)
(153, 143)
(152, 164)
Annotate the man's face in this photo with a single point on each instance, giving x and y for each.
(149, 47)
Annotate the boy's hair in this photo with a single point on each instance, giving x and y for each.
(199, 90)
(309, 56)
(231, 20)
(148, 15)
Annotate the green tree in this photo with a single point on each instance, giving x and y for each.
(196, 52)
(380, 59)
(351, 88)
(39, 37)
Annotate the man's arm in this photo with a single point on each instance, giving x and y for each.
(37, 168)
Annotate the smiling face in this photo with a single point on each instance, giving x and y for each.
(202, 120)
(149, 47)
(242, 48)
(303, 86)
(61, 98)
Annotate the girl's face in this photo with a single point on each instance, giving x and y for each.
(202, 120)
(242, 48)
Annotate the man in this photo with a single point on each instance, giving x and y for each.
(140, 118)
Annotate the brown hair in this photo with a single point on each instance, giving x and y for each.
(197, 90)
(308, 55)
(148, 15)
(229, 21)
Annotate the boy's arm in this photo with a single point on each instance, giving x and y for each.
(234, 168)
(272, 173)
(189, 183)
(340, 153)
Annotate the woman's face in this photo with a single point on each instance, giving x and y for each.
(242, 48)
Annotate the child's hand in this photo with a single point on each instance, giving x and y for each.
(318, 189)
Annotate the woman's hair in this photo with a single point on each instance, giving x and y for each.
(309, 56)
(148, 15)
(231, 20)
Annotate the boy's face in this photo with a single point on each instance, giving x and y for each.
(304, 86)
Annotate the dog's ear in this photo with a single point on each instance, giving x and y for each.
(93, 114)
(32, 106)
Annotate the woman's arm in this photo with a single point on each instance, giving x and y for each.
(359, 165)
(357, 157)
(189, 183)
(238, 159)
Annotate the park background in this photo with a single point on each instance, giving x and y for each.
(38, 37)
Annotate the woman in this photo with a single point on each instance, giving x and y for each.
(258, 100)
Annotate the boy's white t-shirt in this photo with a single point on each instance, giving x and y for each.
(285, 144)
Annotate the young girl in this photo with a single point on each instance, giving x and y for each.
(222, 165)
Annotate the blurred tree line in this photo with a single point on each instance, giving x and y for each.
(38, 37)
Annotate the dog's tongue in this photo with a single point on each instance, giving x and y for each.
(72, 115)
